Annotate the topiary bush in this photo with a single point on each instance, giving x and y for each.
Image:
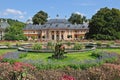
(78, 46)
(59, 51)
(96, 54)
(22, 55)
(37, 46)
(50, 45)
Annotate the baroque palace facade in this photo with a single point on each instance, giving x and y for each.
(55, 29)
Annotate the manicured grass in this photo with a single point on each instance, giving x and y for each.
(70, 56)
(3, 51)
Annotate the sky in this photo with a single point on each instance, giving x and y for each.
(23, 10)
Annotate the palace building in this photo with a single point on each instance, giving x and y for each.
(3, 26)
(55, 29)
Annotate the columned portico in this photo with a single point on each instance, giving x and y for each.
(56, 35)
(60, 35)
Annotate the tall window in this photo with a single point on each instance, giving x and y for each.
(52, 37)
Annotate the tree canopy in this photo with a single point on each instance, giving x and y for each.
(14, 32)
(77, 18)
(40, 17)
(105, 25)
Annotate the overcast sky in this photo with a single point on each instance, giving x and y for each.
(25, 9)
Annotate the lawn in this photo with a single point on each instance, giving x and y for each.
(76, 59)
(110, 50)
(70, 56)
(3, 51)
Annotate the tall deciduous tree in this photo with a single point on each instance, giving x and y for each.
(105, 25)
(40, 17)
(76, 18)
(14, 33)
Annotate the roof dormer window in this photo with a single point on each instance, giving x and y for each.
(68, 26)
(83, 26)
(56, 25)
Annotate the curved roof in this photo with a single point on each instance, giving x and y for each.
(51, 21)
(32, 27)
(57, 24)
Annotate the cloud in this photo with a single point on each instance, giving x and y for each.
(13, 13)
(21, 17)
(79, 13)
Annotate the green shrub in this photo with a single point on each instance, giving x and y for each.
(37, 46)
(96, 54)
(99, 44)
(22, 55)
(68, 43)
(78, 46)
(50, 45)
(11, 61)
(18, 44)
(7, 44)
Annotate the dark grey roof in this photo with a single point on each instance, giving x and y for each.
(32, 27)
(4, 25)
(52, 21)
(57, 24)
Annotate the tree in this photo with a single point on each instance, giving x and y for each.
(40, 17)
(76, 18)
(104, 25)
(14, 33)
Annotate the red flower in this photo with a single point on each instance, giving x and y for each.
(18, 66)
(1, 57)
(66, 77)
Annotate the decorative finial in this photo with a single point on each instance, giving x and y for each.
(57, 16)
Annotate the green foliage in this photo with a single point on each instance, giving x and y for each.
(68, 43)
(75, 18)
(50, 45)
(14, 33)
(99, 44)
(11, 61)
(78, 46)
(7, 44)
(104, 25)
(96, 54)
(59, 51)
(37, 46)
(22, 55)
(16, 23)
(40, 17)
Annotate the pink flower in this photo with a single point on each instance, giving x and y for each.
(66, 77)
(19, 66)
(1, 57)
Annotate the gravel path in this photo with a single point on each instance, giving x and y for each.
(12, 55)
